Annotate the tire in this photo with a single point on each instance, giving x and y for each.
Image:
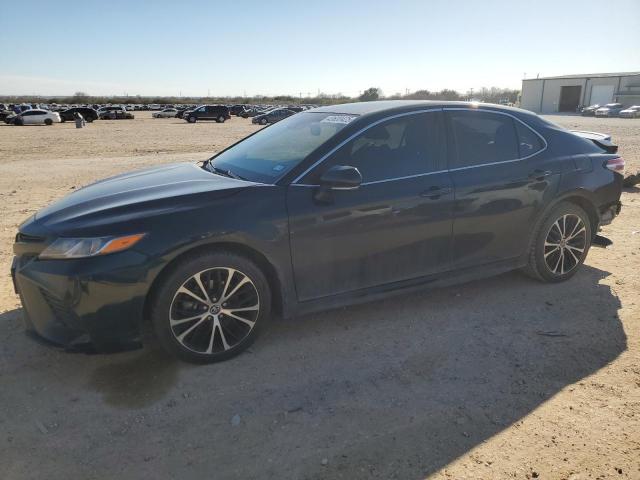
(48, 121)
(90, 120)
(220, 119)
(264, 121)
(18, 122)
(560, 244)
(192, 119)
(208, 329)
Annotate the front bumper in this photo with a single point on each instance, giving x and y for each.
(92, 303)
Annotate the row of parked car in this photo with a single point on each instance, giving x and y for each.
(260, 114)
(611, 110)
(41, 116)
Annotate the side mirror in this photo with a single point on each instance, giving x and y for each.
(341, 177)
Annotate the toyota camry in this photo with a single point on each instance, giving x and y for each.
(326, 208)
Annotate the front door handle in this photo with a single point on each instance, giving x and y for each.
(435, 192)
(539, 174)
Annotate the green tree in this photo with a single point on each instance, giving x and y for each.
(370, 94)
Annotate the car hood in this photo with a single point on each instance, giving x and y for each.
(137, 194)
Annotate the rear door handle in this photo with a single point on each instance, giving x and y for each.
(436, 192)
(539, 174)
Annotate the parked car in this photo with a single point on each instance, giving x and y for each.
(236, 109)
(272, 116)
(325, 208)
(249, 112)
(35, 117)
(4, 114)
(219, 113)
(89, 114)
(609, 110)
(590, 111)
(182, 109)
(114, 113)
(630, 112)
(166, 113)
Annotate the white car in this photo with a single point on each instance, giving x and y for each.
(630, 112)
(166, 113)
(37, 117)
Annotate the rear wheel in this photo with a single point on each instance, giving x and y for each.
(211, 307)
(560, 244)
(221, 119)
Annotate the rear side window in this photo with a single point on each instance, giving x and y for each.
(482, 137)
(401, 147)
(528, 142)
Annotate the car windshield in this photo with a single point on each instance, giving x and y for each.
(269, 154)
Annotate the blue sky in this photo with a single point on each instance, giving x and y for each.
(58, 47)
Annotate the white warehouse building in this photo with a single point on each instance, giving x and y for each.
(568, 92)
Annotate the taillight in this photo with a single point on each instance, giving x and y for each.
(615, 164)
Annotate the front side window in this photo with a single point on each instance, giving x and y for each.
(401, 147)
(482, 137)
(273, 151)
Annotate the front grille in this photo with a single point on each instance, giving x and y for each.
(61, 312)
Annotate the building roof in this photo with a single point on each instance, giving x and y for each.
(586, 75)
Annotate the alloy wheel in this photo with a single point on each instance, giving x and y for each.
(565, 244)
(214, 310)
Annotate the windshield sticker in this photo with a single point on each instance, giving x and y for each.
(344, 119)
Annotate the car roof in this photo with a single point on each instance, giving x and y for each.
(366, 108)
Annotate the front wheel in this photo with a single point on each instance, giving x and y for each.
(210, 307)
(191, 119)
(263, 121)
(48, 121)
(560, 245)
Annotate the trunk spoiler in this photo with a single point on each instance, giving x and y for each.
(600, 139)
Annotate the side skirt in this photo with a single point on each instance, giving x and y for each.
(407, 286)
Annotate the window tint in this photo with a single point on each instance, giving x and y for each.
(528, 142)
(483, 137)
(409, 145)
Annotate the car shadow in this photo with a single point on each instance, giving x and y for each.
(396, 388)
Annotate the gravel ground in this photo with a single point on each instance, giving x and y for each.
(500, 378)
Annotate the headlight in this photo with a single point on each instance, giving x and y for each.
(89, 247)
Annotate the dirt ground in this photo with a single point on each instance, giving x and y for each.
(500, 378)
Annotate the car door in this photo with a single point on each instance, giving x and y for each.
(30, 118)
(396, 226)
(502, 178)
